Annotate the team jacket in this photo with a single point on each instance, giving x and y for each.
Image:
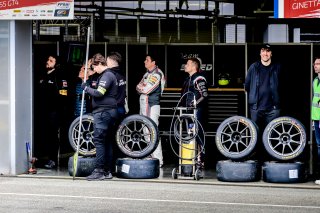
(152, 84)
(122, 83)
(105, 93)
(53, 90)
(252, 84)
(194, 88)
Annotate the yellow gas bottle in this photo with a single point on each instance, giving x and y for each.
(188, 153)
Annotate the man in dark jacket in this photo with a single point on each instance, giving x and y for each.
(262, 86)
(104, 110)
(53, 102)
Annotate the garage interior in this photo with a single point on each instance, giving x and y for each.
(225, 34)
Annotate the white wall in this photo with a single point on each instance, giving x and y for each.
(276, 33)
(5, 130)
(23, 94)
(15, 95)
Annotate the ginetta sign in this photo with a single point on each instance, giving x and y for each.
(297, 8)
(36, 9)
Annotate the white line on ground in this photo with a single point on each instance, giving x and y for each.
(157, 200)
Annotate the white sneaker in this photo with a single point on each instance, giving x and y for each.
(317, 182)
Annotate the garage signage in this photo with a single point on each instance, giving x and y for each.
(178, 55)
(297, 8)
(36, 9)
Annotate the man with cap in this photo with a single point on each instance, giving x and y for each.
(262, 87)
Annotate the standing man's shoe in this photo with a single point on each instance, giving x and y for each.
(99, 174)
(50, 164)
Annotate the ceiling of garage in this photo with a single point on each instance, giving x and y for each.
(176, 8)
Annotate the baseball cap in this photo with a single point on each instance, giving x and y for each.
(266, 46)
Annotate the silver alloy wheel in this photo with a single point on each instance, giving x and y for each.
(137, 136)
(236, 137)
(86, 146)
(284, 138)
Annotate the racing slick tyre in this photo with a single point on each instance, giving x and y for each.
(279, 172)
(284, 138)
(86, 146)
(236, 137)
(137, 136)
(232, 171)
(137, 168)
(85, 166)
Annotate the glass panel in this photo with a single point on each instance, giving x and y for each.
(4, 96)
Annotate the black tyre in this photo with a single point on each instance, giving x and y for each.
(276, 172)
(85, 166)
(284, 138)
(236, 137)
(137, 168)
(86, 146)
(137, 136)
(231, 171)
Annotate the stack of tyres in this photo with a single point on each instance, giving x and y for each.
(137, 137)
(284, 139)
(236, 139)
(87, 150)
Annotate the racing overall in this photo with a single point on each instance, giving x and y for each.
(152, 85)
(195, 88)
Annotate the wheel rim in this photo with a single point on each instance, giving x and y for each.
(286, 138)
(236, 137)
(135, 137)
(86, 145)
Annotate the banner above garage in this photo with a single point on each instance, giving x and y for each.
(296, 8)
(36, 9)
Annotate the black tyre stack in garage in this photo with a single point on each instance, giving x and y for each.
(236, 139)
(137, 137)
(284, 139)
(87, 150)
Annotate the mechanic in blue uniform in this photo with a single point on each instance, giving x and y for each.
(53, 101)
(195, 93)
(104, 110)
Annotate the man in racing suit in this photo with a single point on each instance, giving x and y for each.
(150, 89)
(195, 94)
(104, 109)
